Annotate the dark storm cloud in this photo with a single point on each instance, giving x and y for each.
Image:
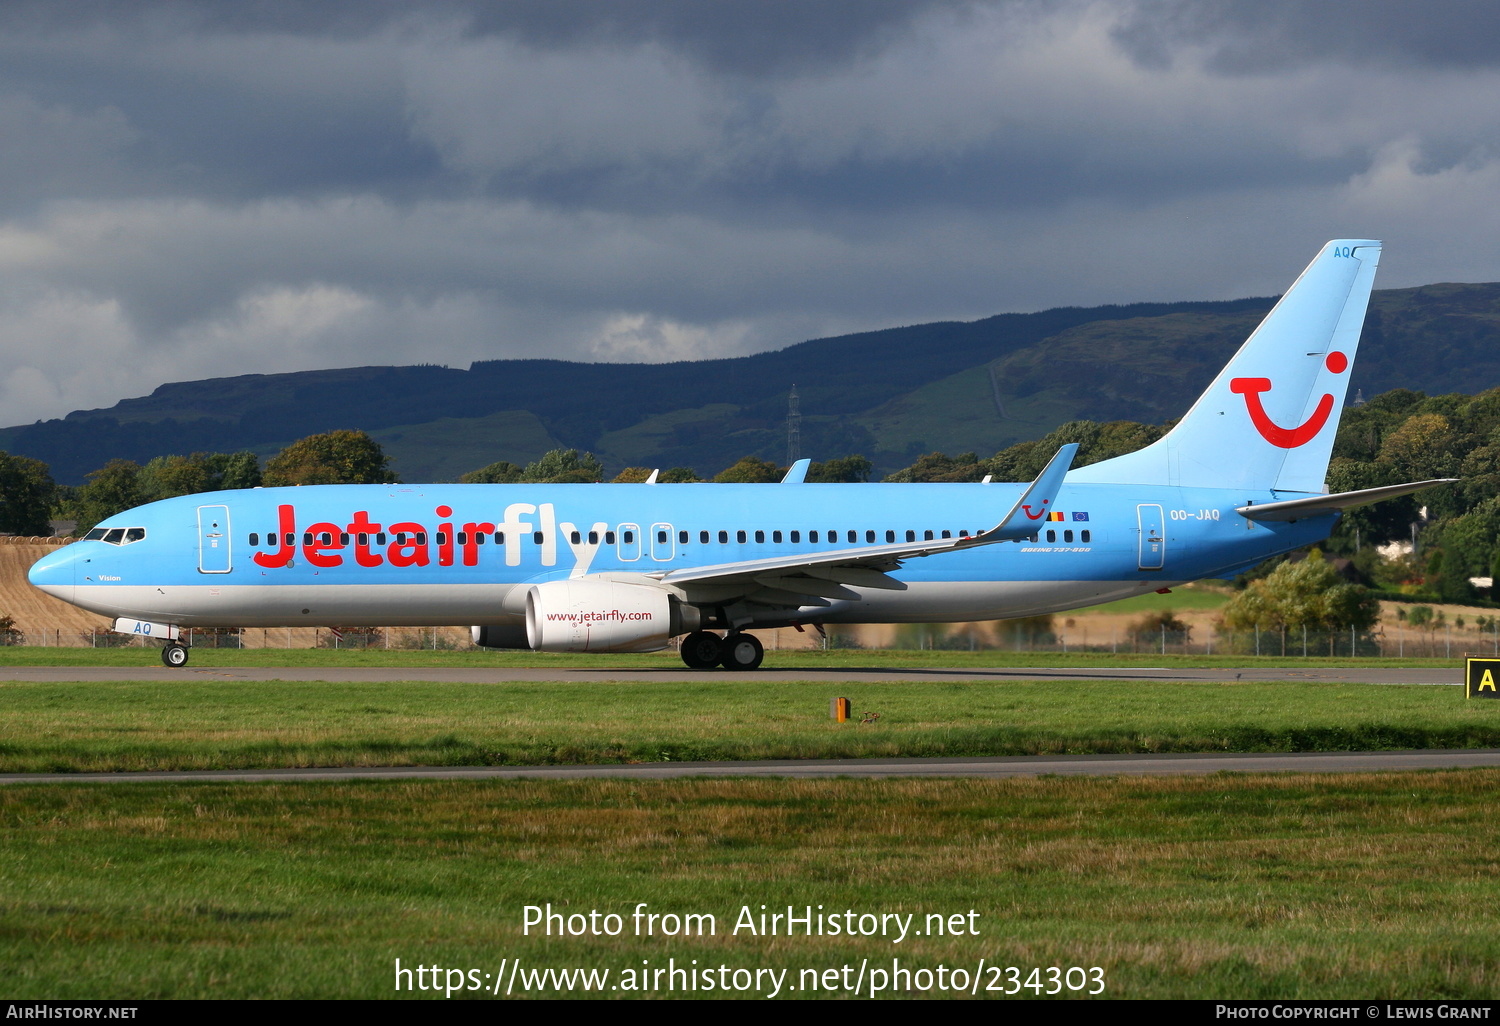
(751, 37)
(190, 189)
(1266, 35)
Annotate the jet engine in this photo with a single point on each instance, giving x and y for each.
(604, 616)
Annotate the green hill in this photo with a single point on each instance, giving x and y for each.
(891, 395)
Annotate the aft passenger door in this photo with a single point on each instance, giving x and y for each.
(1153, 543)
(213, 540)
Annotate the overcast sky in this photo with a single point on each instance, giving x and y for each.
(200, 189)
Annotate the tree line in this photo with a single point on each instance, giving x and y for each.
(29, 498)
(1397, 436)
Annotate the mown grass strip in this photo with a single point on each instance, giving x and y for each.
(211, 724)
(846, 659)
(1332, 886)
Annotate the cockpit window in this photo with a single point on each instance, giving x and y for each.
(116, 535)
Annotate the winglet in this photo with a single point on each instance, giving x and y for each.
(652, 478)
(797, 472)
(1034, 504)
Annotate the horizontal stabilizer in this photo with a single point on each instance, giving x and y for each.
(1321, 505)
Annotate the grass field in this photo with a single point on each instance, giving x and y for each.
(1358, 886)
(787, 659)
(1230, 886)
(207, 723)
(1177, 600)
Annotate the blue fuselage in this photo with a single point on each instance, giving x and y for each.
(466, 554)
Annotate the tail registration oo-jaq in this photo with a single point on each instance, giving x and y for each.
(626, 568)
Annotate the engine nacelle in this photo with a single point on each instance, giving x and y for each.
(506, 635)
(602, 616)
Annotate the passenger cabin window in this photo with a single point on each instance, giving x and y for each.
(703, 537)
(890, 536)
(775, 537)
(593, 537)
(682, 537)
(796, 537)
(760, 537)
(912, 535)
(869, 536)
(739, 536)
(1052, 536)
(1085, 537)
(575, 537)
(812, 536)
(254, 538)
(1067, 536)
(927, 536)
(609, 537)
(723, 537)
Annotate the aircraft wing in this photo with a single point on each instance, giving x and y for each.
(866, 566)
(1321, 505)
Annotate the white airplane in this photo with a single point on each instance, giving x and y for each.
(625, 568)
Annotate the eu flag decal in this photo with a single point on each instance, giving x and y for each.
(1080, 516)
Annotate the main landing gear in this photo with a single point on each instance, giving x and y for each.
(703, 650)
(175, 655)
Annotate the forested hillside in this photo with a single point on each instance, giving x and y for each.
(889, 395)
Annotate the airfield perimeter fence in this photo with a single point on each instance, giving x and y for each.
(1445, 642)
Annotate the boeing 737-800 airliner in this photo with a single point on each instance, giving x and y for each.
(626, 568)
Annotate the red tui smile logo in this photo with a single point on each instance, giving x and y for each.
(1286, 438)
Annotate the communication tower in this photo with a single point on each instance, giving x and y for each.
(793, 427)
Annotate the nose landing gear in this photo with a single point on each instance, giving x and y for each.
(174, 655)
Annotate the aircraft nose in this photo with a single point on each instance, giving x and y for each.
(53, 573)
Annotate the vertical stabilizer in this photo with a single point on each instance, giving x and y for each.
(1269, 418)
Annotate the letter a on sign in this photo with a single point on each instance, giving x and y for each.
(1481, 676)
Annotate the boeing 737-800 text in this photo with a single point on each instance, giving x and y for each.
(626, 568)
